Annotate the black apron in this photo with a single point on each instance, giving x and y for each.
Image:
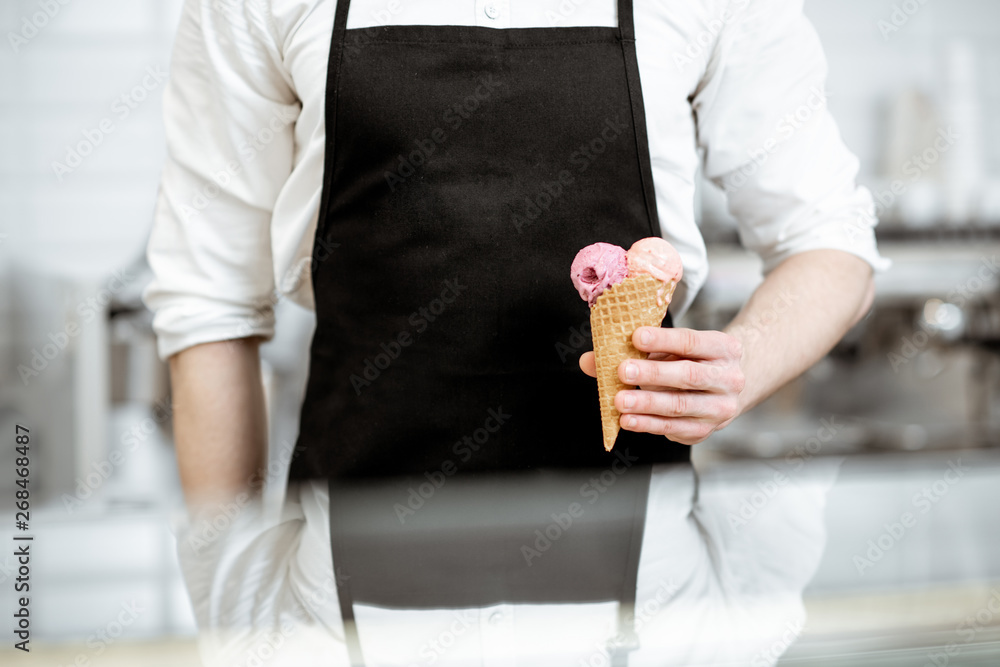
(465, 167)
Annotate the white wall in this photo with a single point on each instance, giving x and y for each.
(867, 70)
(66, 79)
(60, 83)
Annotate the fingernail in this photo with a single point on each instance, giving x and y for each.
(628, 400)
(631, 371)
(630, 422)
(645, 337)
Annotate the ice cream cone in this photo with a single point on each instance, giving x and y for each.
(638, 301)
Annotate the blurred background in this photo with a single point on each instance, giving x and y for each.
(912, 393)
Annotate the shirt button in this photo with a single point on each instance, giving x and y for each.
(492, 11)
(496, 617)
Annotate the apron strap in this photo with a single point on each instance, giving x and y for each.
(332, 90)
(340, 19)
(626, 606)
(344, 597)
(626, 31)
(626, 24)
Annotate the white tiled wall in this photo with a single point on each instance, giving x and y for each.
(867, 70)
(61, 82)
(66, 78)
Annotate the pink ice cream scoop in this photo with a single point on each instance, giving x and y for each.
(656, 257)
(596, 268)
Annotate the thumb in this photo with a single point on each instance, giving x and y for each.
(588, 365)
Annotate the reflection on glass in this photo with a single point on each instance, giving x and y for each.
(649, 565)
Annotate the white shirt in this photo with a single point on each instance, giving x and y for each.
(736, 85)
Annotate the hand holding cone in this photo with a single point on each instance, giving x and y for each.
(626, 290)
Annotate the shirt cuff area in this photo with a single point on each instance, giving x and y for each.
(847, 235)
(178, 328)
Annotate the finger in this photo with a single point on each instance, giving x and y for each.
(684, 431)
(663, 356)
(685, 375)
(687, 343)
(588, 362)
(699, 405)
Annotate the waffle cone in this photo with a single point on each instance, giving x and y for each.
(614, 317)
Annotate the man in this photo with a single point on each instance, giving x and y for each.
(424, 177)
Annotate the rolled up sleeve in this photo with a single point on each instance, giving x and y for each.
(770, 142)
(229, 115)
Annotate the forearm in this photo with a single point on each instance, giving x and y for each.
(796, 316)
(220, 423)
